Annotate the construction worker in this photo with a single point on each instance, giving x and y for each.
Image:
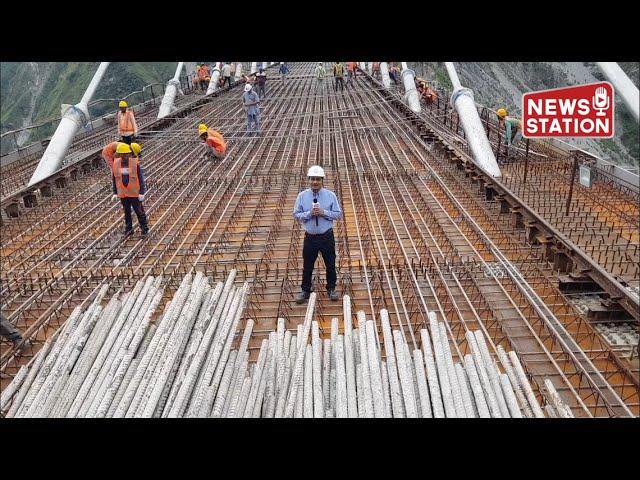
(351, 72)
(136, 149)
(226, 74)
(321, 72)
(129, 185)
(214, 141)
(11, 333)
(512, 127)
(204, 76)
(250, 78)
(251, 102)
(261, 80)
(108, 153)
(376, 70)
(127, 126)
(394, 74)
(426, 93)
(283, 71)
(338, 75)
(196, 77)
(317, 208)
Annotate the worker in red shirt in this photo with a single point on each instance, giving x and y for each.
(108, 153)
(204, 76)
(214, 141)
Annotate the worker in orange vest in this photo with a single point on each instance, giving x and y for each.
(108, 153)
(127, 126)
(129, 185)
(214, 141)
(426, 93)
(204, 76)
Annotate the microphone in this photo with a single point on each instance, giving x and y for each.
(315, 204)
(601, 101)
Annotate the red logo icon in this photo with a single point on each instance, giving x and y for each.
(583, 111)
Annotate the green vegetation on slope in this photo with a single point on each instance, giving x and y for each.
(66, 83)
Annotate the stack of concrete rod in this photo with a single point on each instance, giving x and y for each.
(113, 361)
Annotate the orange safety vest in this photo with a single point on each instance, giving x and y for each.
(126, 123)
(131, 189)
(203, 73)
(108, 153)
(216, 140)
(352, 66)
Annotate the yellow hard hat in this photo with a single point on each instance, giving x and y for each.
(202, 128)
(123, 148)
(501, 112)
(122, 104)
(136, 147)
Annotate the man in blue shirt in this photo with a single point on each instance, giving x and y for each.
(317, 208)
(283, 71)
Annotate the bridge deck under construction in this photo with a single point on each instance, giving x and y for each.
(420, 233)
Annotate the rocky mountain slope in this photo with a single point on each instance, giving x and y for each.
(501, 84)
(31, 92)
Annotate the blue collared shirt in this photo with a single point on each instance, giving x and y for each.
(327, 201)
(251, 97)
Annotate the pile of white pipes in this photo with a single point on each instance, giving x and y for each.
(114, 362)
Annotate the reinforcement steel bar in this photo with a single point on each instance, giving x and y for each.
(419, 240)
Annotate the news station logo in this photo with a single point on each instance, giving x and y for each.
(583, 111)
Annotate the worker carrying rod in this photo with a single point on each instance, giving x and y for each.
(129, 185)
(214, 142)
(317, 208)
(127, 126)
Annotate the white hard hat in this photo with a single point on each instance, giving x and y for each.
(316, 171)
(247, 87)
(281, 63)
(319, 63)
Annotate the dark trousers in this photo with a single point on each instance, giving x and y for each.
(339, 81)
(227, 80)
(127, 139)
(127, 204)
(326, 245)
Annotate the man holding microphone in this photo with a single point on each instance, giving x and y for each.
(317, 208)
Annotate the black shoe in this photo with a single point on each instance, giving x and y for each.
(126, 233)
(302, 297)
(333, 295)
(145, 231)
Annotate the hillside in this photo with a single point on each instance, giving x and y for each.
(31, 92)
(501, 84)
